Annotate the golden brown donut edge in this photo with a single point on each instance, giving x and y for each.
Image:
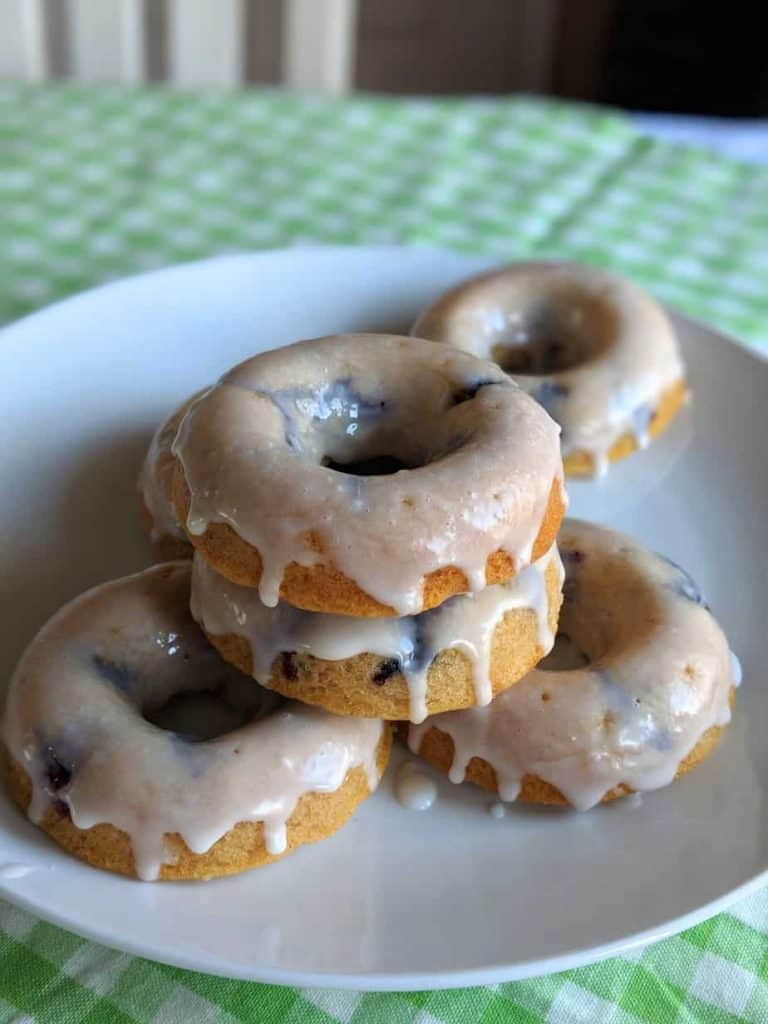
(349, 686)
(437, 749)
(315, 817)
(581, 463)
(323, 588)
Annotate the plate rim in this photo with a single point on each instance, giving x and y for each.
(405, 981)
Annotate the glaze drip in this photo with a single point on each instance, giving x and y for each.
(85, 741)
(261, 452)
(646, 673)
(156, 476)
(408, 644)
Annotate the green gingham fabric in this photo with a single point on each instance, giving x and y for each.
(99, 183)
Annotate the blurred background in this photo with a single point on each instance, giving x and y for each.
(269, 123)
(650, 55)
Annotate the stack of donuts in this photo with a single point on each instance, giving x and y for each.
(368, 529)
(363, 561)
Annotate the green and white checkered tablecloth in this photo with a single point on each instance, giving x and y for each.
(98, 183)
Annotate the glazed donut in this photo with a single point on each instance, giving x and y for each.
(636, 691)
(453, 656)
(158, 516)
(127, 774)
(595, 350)
(368, 475)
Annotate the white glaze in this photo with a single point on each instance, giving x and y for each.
(76, 701)
(736, 670)
(414, 790)
(466, 622)
(252, 452)
(659, 676)
(156, 476)
(629, 354)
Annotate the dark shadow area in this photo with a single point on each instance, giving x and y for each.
(95, 535)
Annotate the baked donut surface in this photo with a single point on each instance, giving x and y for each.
(368, 475)
(635, 692)
(140, 751)
(457, 655)
(596, 351)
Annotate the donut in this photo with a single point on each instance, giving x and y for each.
(158, 516)
(595, 350)
(454, 656)
(635, 692)
(368, 475)
(138, 750)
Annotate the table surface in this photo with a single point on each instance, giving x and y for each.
(99, 183)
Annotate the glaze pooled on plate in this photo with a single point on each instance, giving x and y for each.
(414, 790)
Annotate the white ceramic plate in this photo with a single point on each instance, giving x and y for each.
(396, 900)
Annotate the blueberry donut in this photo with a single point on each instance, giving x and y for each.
(138, 750)
(158, 516)
(636, 691)
(596, 351)
(457, 655)
(368, 475)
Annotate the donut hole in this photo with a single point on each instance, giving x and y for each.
(435, 444)
(560, 332)
(565, 656)
(412, 433)
(175, 680)
(407, 441)
(402, 418)
(378, 465)
(609, 610)
(199, 715)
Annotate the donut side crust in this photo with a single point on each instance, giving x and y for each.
(167, 548)
(437, 749)
(582, 463)
(315, 817)
(323, 588)
(353, 686)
